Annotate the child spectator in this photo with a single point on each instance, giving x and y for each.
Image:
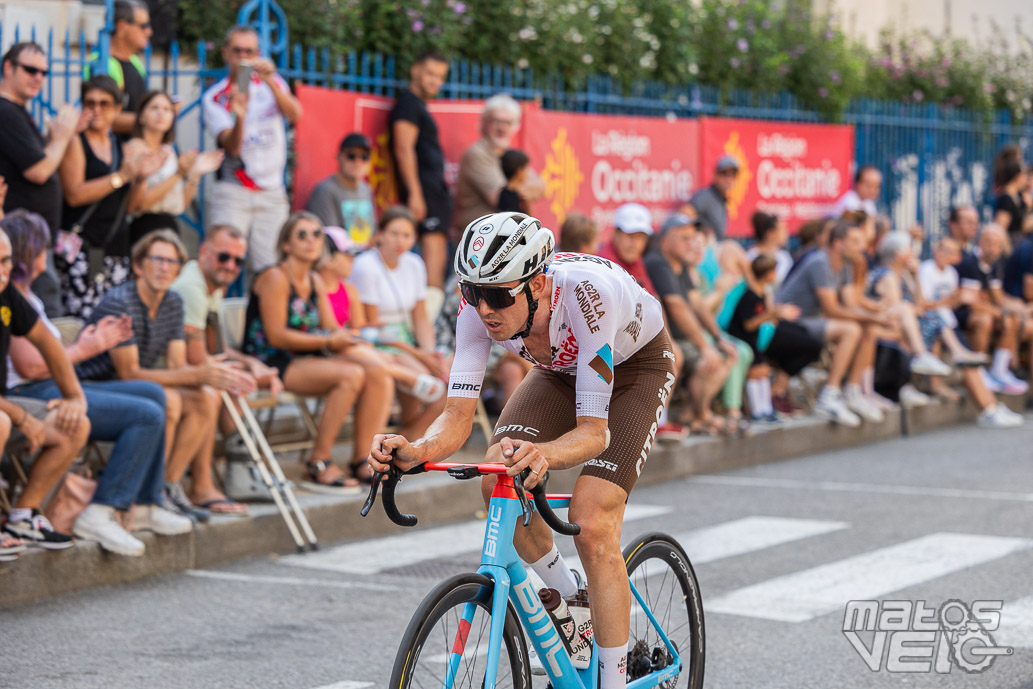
(131, 414)
(392, 284)
(515, 165)
(769, 330)
(155, 202)
(579, 235)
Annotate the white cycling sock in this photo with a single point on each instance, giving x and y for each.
(554, 572)
(613, 666)
(1002, 363)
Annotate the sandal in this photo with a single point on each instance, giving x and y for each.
(10, 547)
(325, 477)
(427, 388)
(355, 467)
(708, 427)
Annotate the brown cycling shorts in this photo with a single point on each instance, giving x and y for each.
(542, 409)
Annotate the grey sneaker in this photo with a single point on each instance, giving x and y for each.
(175, 499)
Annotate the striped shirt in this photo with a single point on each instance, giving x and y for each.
(151, 336)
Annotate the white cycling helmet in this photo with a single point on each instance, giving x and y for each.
(502, 247)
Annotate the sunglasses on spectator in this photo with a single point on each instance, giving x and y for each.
(357, 156)
(304, 234)
(244, 52)
(98, 104)
(225, 256)
(142, 25)
(494, 297)
(32, 71)
(166, 261)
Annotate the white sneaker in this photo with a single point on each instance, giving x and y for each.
(990, 382)
(860, 405)
(999, 416)
(831, 405)
(928, 365)
(99, 523)
(910, 396)
(1012, 384)
(160, 520)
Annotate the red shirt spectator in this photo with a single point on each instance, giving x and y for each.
(633, 227)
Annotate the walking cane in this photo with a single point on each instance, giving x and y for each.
(277, 472)
(263, 472)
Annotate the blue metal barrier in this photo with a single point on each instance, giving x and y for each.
(931, 156)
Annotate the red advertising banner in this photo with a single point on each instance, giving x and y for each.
(595, 163)
(331, 114)
(794, 171)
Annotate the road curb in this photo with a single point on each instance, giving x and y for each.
(437, 499)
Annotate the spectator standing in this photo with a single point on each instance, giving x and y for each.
(131, 414)
(56, 429)
(129, 40)
(864, 195)
(157, 352)
(97, 176)
(28, 160)
(632, 230)
(711, 203)
(344, 199)
(420, 164)
(290, 326)
(772, 236)
(481, 180)
(579, 235)
(165, 194)
(1010, 210)
(392, 284)
(249, 191)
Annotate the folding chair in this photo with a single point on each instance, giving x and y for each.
(232, 321)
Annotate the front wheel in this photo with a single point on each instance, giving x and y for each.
(456, 617)
(662, 574)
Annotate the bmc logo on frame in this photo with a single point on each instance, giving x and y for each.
(911, 636)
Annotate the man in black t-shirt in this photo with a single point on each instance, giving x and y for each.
(58, 429)
(986, 308)
(28, 160)
(129, 40)
(420, 162)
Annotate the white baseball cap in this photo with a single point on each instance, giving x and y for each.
(633, 217)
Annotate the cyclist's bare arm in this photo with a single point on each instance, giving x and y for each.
(585, 442)
(443, 439)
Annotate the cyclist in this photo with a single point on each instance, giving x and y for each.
(604, 368)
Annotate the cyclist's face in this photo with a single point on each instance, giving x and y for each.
(502, 324)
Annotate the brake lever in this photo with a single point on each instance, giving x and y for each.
(372, 497)
(525, 504)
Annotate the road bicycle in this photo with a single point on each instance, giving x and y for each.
(469, 631)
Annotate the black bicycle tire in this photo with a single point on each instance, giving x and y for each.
(457, 590)
(658, 545)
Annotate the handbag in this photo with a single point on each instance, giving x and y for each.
(72, 496)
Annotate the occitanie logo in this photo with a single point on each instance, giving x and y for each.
(562, 176)
(737, 193)
(382, 173)
(5, 315)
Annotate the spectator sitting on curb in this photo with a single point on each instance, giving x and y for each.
(632, 230)
(57, 429)
(157, 352)
(291, 326)
(344, 199)
(131, 414)
(579, 235)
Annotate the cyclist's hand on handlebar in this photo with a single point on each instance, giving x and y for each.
(391, 448)
(522, 454)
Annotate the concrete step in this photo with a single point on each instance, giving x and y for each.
(435, 498)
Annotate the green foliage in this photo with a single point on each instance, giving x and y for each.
(749, 45)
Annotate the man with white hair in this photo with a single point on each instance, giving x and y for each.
(480, 170)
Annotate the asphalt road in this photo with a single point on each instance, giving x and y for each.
(779, 550)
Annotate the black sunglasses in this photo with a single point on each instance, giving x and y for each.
(303, 234)
(494, 297)
(224, 256)
(357, 156)
(33, 71)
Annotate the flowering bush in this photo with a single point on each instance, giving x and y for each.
(754, 45)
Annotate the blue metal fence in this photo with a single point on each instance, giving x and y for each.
(931, 157)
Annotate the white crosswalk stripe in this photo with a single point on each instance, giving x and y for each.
(804, 595)
(409, 548)
(1016, 628)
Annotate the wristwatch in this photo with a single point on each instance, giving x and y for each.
(116, 181)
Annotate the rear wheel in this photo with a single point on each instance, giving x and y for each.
(438, 628)
(663, 576)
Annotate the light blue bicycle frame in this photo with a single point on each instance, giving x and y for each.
(501, 563)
